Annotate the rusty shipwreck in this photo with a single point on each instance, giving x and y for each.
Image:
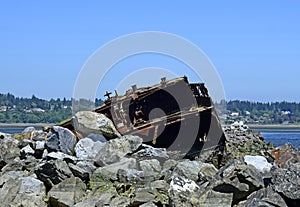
(172, 114)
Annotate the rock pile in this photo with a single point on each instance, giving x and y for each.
(53, 168)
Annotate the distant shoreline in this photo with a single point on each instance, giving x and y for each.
(25, 124)
(274, 126)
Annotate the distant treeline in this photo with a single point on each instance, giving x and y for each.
(35, 110)
(269, 113)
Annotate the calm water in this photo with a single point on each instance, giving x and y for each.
(15, 130)
(277, 136)
(280, 138)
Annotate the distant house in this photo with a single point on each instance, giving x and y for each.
(234, 114)
(3, 108)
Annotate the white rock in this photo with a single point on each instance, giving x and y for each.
(259, 162)
(87, 149)
(181, 184)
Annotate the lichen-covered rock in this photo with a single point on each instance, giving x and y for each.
(61, 139)
(67, 193)
(115, 149)
(87, 122)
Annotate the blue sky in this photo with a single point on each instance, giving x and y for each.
(254, 45)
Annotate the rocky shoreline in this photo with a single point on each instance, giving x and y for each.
(51, 167)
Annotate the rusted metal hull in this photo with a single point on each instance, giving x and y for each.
(174, 114)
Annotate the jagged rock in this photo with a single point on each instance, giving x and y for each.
(40, 145)
(61, 139)
(183, 192)
(39, 148)
(87, 148)
(27, 151)
(67, 193)
(213, 198)
(240, 143)
(195, 170)
(263, 197)
(285, 155)
(143, 195)
(148, 204)
(61, 156)
(130, 175)
(90, 202)
(79, 172)
(97, 137)
(87, 122)
(259, 162)
(53, 172)
(25, 142)
(151, 168)
(8, 150)
(4, 135)
(29, 129)
(109, 172)
(11, 175)
(115, 149)
(23, 191)
(160, 185)
(120, 201)
(151, 152)
(239, 179)
(14, 165)
(287, 183)
(87, 166)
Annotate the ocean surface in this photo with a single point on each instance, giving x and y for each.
(277, 136)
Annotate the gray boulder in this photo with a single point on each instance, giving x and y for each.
(87, 122)
(53, 172)
(115, 149)
(97, 137)
(87, 148)
(287, 183)
(130, 176)
(259, 162)
(183, 192)
(109, 172)
(239, 179)
(151, 168)
(67, 193)
(27, 151)
(61, 139)
(151, 152)
(23, 191)
(263, 197)
(61, 156)
(29, 129)
(195, 170)
(8, 150)
(212, 198)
